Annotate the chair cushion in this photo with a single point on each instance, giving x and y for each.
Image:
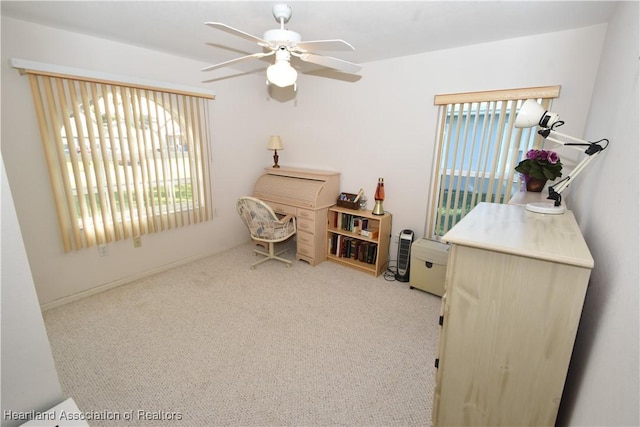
(262, 222)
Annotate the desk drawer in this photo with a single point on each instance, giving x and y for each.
(305, 224)
(305, 244)
(306, 214)
(282, 209)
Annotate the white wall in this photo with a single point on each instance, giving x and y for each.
(29, 376)
(603, 382)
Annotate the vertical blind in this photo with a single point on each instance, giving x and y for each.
(477, 150)
(123, 160)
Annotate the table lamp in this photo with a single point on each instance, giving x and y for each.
(533, 114)
(275, 144)
(379, 198)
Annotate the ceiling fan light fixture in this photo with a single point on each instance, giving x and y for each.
(281, 73)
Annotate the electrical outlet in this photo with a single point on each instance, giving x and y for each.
(102, 250)
(137, 241)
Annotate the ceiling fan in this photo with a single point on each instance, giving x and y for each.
(285, 43)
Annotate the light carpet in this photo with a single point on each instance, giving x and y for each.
(215, 343)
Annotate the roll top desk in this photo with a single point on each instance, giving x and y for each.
(307, 194)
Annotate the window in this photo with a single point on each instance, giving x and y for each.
(124, 160)
(477, 149)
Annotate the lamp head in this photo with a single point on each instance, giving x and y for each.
(533, 114)
(275, 143)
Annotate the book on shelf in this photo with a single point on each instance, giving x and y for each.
(372, 252)
(370, 233)
(347, 222)
(354, 248)
(342, 247)
(355, 224)
(332, 244)
(362, 251)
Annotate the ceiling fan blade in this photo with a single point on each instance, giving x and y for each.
(324, 45)
(329, 62)
(239, 33)
(233, 61)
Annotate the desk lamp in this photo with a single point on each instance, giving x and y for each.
(533, 114)
(275, 144)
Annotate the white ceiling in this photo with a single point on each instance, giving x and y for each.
(377, 29)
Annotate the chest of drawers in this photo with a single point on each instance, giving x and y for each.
(514, 290)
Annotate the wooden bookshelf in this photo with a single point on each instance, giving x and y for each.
(358, 239)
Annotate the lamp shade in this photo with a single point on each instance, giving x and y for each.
(275, 143)
(282, 74)
(533, 114)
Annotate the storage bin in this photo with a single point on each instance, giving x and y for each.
(348, 200)
(428, 266)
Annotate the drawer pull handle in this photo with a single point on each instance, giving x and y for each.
(428, 264)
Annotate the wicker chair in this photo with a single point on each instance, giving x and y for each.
(265, 226)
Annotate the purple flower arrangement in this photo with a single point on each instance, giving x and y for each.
(541, 164)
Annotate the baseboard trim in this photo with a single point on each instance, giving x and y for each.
(102, 288)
